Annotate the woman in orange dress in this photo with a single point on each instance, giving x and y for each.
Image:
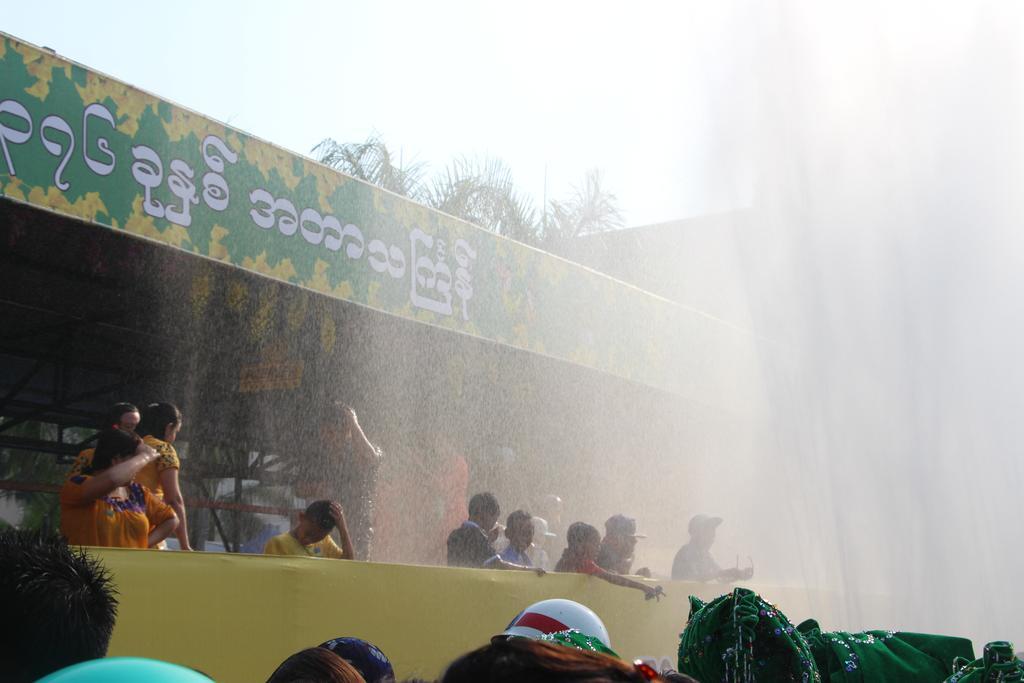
(104, 507)
(159, 429)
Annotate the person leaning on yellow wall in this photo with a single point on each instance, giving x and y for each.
(311, 537)
(159, 428)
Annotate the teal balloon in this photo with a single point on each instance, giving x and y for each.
(124, 669)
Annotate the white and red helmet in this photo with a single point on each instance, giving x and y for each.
(558, 614)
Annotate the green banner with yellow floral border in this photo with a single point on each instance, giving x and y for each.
(82, 144)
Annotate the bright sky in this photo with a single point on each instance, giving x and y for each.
(566, 85)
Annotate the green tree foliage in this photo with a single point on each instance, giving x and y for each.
(482, 192)
(373, 162)
(39, 510)
(589, 209)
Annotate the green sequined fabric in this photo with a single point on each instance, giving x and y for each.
(740, 638)
(895, 656)
(579, 640)
(998, 664)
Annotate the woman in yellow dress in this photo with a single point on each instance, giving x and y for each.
(159, 428)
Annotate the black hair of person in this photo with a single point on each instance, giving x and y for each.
(518, 517)
(113, 443)
(319, 512)
(59, 605)
(156, 417)
(114, 413)
(482, 504)
(581, 532)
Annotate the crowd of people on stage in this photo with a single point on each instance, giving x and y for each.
(124, 492)
(60, 608)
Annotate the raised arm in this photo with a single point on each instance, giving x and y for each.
(619, 580)
(497, 562)
(361, 446)
(338, 515)
(117, 475)
(734, 574)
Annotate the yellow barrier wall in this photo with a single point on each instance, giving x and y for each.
(236, 617)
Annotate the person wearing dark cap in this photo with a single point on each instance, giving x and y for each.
(366, 658)
(620, 536)
(693, 562)
(311, 537)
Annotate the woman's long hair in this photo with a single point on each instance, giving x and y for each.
(113, 443)
(156, 417)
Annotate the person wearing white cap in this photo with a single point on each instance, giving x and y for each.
(557, 615)
(693, 562)
(538, 552)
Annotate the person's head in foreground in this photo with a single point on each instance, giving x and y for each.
(315, 523)
(58, 606)
(315, 665)
(126, 670)
(523, 660)
(366, 658)
(557, 615)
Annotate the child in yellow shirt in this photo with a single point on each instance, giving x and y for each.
(311, 536)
